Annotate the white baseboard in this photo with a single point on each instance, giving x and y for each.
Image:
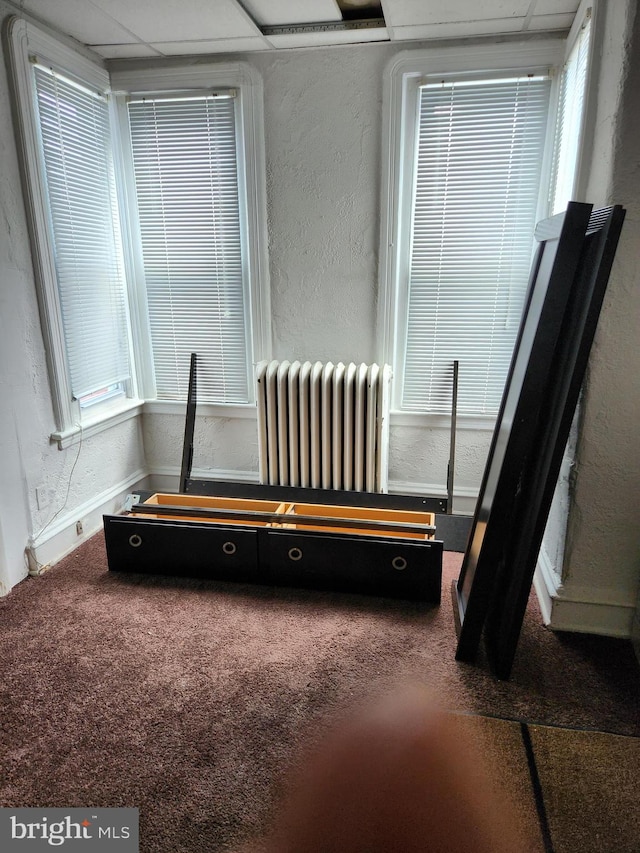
(60, 538)
(592, 617)
(580, 610)
(546, 584)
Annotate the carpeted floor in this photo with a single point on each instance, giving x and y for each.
(188, 699)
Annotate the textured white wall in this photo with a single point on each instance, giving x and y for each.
(602, 559)
(323, 148)
(219, 444)
(322, 133)
(27, 458)
(604, 529)
(23, 388)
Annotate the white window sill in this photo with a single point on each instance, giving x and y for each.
(427, 421)
(101, 421)
(212, 410)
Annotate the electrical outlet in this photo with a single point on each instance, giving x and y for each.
(79, 528)
(45, 495)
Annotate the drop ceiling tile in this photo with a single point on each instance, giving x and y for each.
(400, 13)
(130, 28)
(204, 47)
(282, 12)
(81, 19)
(551, 22)
(176, 20)
(124, 51)
(459, 30)
(555, 7)
(320, 39)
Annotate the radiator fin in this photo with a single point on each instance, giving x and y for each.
(322, 425)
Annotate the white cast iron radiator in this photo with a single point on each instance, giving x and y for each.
(323, 425)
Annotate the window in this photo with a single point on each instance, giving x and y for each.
(469, 157)
(188, 206)
(475, 195)
(571, 113)
(77, 254)
(80, 190)
(147, 207)
(193, 163)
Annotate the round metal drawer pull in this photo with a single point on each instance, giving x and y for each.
(399, 563)
(295, 554)
(135, 540)
(229, 548)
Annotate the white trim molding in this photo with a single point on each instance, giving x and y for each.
(401, 78)
(59, 539)
(584, 610)
(116, 415)
(204, 410)
(22, 40)
(405, 66)
(475, 423)
(546, 583)
(588, 616)
(25, 44)
(251, 161)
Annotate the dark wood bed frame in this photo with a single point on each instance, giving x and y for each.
(361, 542)
(567, 286)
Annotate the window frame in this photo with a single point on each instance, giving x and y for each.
(586, 15)
(24, 40)
(398, 128)
(253, 206)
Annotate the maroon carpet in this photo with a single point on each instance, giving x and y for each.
(187, 699)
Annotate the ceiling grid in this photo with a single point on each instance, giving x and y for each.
(121, 29)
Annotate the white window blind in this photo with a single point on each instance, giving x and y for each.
(477, 169)
(189, 209)
(74, 128)
(570, 120)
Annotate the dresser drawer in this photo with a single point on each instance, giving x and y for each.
(372, 565)
(185, 549)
